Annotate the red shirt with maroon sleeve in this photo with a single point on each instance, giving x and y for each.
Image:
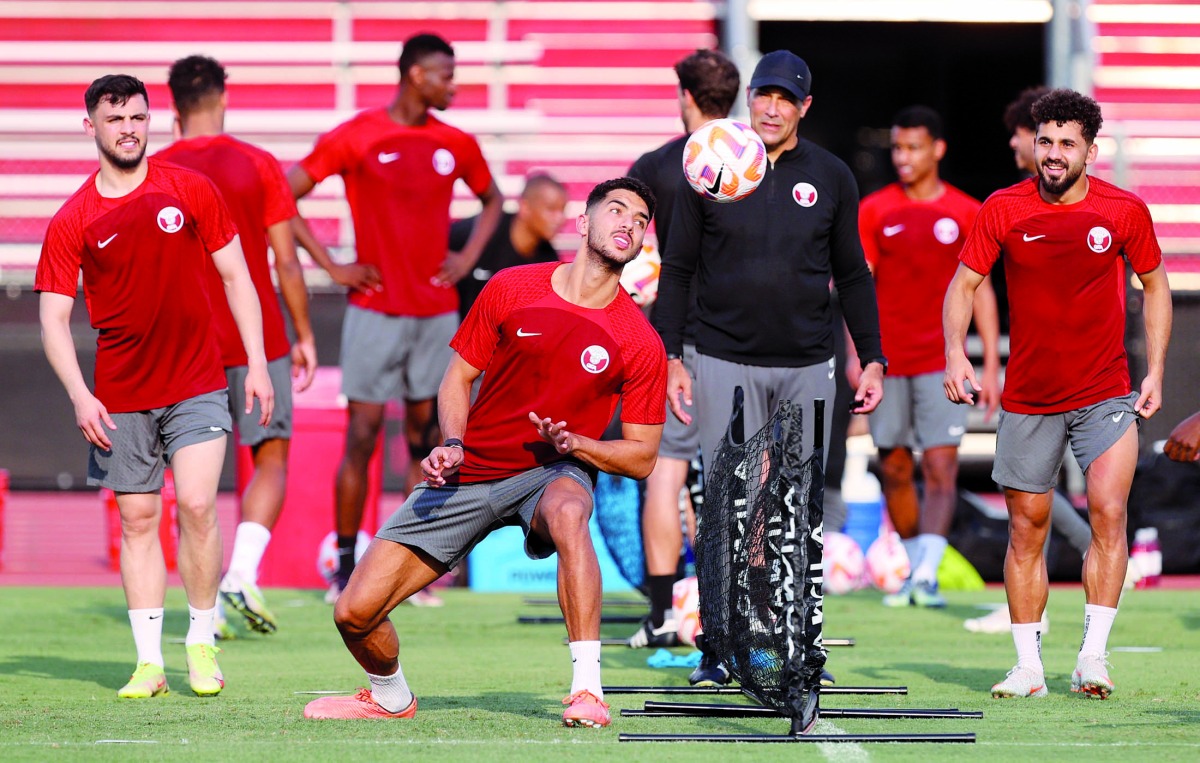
(542, 354)
(258, 197)
(399, 184)
(145, 258)
(1067, 315)
(912, 247)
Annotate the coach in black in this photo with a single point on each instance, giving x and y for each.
(763, 267)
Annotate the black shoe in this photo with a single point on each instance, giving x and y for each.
(812, 712)
(649, 636)
(710, 672)
(827, 678)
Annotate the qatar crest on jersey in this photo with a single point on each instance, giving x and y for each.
(1099, 239)
(805, 194)
(594, 359)
(170, 219)
(945, 230)
(443, 162)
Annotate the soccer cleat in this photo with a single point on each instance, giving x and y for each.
(204, 675)
(901, 598)
(361, 705)
(336, 586)
(1020, 682)
(586, 709)
(1091, 676)
(425, 598)
(222, 630)
(710, 672)
(998, 621)
(148, 680)
(827, 678)
(926, 595)
(245, 597)
(649, 636)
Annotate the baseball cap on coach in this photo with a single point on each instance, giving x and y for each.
(785, 69)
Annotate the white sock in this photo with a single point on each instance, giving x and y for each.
(933, 547)
(585, 659)
(1028, 639)
(200, 626)
(147, 634)
(1097, 622)
(249, 544)
(912, 548)
(391, 692)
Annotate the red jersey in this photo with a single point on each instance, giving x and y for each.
(399, 183)
(1067, 317)
(258, 197)
(145, 258)
(912, 247)
(543, 354)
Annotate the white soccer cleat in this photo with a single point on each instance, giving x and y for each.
(1091, 676)
(998, 621)
(1020, 682)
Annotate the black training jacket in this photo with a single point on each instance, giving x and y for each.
(763, 267)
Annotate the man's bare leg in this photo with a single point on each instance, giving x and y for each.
(363, 424)
(1025, 580)
(197, 471)
(423, 434)
(662, 541)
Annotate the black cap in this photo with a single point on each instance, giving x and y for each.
(785, 69)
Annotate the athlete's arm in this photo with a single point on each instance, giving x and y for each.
(90, 414)
(987, 323)
(960, 382)
(247, 314)
(454, 400)
(1156, 309)
(458, 264)
(631, 456)
(295, 297)
(300, 182)
(352, 275)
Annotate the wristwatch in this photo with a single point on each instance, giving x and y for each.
(674, 356)
(453, 442)
(880, 360)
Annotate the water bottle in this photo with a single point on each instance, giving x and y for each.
(1147, 554)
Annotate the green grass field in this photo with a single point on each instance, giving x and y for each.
(489, 688)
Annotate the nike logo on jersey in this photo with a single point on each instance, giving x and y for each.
(1027, 237)
(1116, 417)
(522, 332)
(892, 230)
(106, 241)
(386, 158)
(715, 188)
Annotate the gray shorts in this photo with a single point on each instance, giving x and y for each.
(394, 357)
(250, 432)
(764, 387)
(1029, 448)
(447, 522)
(915, 413)
(681, 440)
(145, 441)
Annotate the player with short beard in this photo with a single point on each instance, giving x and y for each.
(558, 346)
(143, 232)
(1064, 236)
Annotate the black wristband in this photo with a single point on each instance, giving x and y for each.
(453, 442)
(674, 356)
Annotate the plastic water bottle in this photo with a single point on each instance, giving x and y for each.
(1147, 554)
(864, 500)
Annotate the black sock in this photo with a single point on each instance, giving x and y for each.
(659, 587)
(345, 552)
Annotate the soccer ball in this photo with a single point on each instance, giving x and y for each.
(685, 598)
(640, 276)
(327, 556)
(724, 160)
(887, 563)
(844, 564)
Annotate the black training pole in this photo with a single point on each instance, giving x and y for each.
(699, 709)
(709, 690)
(793, 738)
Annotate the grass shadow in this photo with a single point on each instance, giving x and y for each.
(107, 674)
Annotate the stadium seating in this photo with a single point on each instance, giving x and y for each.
(575, 87)
(1146, 81)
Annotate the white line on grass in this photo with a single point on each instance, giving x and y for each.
(841, 752)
